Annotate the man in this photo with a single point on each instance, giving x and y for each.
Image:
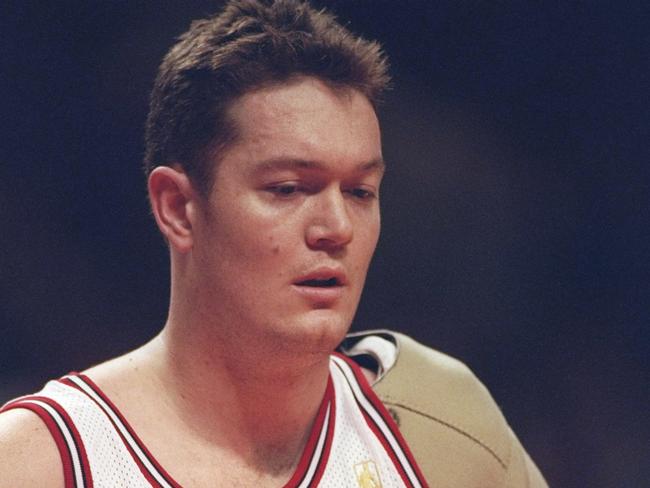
(264, 166)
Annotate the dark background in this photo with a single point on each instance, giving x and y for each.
(515, 207)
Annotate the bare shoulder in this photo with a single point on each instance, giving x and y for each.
(124, 379)
(29, 456)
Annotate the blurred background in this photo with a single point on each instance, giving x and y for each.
(515, 207)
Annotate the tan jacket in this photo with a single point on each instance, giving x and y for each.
(456, 431)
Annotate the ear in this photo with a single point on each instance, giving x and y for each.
(172, 198)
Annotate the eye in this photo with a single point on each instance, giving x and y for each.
(284, 190)
(362, 193)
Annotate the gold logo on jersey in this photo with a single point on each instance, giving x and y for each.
(367, 475)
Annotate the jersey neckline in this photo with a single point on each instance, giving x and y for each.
(309, 469)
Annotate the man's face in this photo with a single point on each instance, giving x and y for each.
(284, 240)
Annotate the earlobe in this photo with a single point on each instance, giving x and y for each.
(171, 195)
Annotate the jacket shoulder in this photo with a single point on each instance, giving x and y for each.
(451, 422)
(433, 384)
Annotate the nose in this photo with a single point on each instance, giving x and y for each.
(330, 227)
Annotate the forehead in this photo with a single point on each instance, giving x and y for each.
(305, 119)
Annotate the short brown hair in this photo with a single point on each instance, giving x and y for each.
(250, 44)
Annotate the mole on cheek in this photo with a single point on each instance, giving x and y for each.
(275, 248)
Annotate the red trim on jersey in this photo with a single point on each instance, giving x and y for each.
(372, 397)
(329, 437)
(145, 471)
(55, 432)
(387, 447)
(81, 448)
(308, 452)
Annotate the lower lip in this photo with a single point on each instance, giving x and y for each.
(321, 296)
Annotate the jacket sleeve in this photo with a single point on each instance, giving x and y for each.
(454, 428)
(521, 470)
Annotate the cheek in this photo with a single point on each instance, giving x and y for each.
(370, 236)
(367, 247)
(279, 236)
(273, 244)
(264, 231)
(277, 243)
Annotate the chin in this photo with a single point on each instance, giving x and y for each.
(318, 331)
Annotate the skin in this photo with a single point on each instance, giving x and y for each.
(297, 193)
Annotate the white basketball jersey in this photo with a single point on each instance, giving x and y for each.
(354, 441)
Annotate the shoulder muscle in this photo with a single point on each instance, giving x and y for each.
(28, 454)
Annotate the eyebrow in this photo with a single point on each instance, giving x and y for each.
(295, 163)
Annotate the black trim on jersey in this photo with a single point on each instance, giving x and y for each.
(327, 418)
(324, 432)
(55, 406)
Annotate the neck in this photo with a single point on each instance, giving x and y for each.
(266, 403)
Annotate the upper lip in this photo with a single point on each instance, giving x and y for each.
(324, 273)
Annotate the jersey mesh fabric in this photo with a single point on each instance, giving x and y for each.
(354, 443)
(110, 462)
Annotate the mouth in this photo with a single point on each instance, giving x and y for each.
(322, 287)
(320, 283)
